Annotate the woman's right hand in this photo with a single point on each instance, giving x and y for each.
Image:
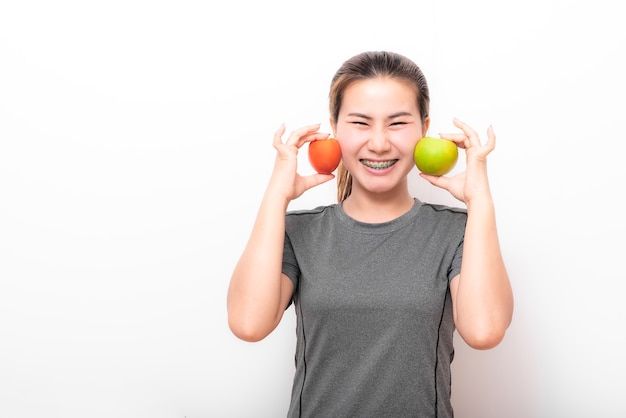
(259, 292)
(285, 179)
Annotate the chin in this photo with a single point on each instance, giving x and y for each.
(381, 186)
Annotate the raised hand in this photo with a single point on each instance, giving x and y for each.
(285, 179)
(473, 182)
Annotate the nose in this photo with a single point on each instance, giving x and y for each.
(379, 142)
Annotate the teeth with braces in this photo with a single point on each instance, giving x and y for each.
(379, 165)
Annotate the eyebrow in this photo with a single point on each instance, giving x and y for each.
(392, 116)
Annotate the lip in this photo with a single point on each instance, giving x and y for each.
(378, 166)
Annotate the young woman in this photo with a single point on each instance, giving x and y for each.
(380, 280)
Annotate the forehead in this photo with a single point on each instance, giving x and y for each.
(382, 92)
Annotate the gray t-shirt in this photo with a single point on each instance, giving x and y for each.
(374, 314)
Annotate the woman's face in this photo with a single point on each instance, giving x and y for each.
(378, 127)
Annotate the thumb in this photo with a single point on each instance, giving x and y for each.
(439, 181)
(317, 179)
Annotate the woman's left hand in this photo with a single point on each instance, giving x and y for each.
(473, 182)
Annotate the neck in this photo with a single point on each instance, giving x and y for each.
(377, 207)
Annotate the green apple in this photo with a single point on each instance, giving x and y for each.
(435, 156)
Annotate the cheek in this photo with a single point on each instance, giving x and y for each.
(407, 141)
(350, 142)
(408, 146)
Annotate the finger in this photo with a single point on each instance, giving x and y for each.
(461, 140)
(314, 136)
(469, 132)
(439, 181)
(491, 138)
(316, 179)
(278, 136)
(296, 136)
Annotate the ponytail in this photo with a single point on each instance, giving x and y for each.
(344, 183)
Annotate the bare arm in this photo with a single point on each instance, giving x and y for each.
(259, 292)
(481, 294)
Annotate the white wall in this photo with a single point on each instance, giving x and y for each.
(135, 144)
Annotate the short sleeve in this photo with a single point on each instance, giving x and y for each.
(455, 266)
(290, 264)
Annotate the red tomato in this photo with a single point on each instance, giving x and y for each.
(324, 155)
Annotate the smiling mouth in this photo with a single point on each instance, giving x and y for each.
(378, 165)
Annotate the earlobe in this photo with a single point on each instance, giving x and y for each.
(425, 126)
(332, 126)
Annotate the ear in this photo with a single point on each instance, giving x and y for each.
(425, 126)
(333, 127)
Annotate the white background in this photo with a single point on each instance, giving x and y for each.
(135, 145)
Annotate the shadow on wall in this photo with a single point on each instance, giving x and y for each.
(496, 383)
